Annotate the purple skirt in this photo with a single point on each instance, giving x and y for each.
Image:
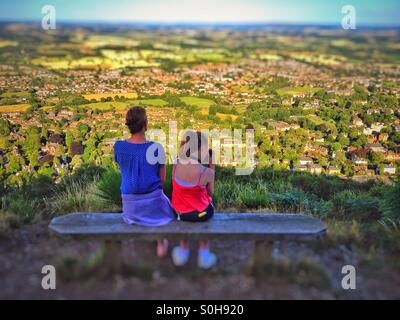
(150, 209)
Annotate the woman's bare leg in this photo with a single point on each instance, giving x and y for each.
(162, 248)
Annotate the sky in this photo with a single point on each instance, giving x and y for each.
(368, 12)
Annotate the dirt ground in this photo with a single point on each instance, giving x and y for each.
(299, 272)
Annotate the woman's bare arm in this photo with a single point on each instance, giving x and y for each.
(162, 172)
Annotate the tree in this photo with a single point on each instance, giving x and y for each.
(336, 146)
(32, 140)
(376, 158)
(83, 128)
(5, 127)
(4, 143)
(343, 140)
(13, 165)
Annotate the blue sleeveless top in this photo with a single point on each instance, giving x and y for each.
(139, 174)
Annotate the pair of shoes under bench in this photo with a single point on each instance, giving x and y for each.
(205, 260)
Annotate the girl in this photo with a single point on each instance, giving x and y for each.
(143, 199)
(192, 186)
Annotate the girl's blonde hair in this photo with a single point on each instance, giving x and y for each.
(191, 145)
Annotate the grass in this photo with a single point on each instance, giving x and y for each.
(122, 106)
(270, 56)
(224, 116)
(108, 105)
(96, 188)
(150, 102)
(348, 208)
(99, 96)
(77, 197)
(53, 63)
(18, 94)
(242, 89)
(90, 62)
(6, 43)
(297, 90)
(199, 102)
(15, 107)
(108, 187)
(324, 59)
(98, 41)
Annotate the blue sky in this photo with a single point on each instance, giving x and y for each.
(369, 12)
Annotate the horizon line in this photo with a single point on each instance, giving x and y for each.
(208, 23)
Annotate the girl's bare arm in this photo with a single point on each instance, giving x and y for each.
(210, 181)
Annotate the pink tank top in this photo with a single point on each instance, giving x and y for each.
(189, 198)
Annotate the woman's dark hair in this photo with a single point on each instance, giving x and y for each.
(136, 119)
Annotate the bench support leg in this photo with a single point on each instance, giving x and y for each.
(262, 254)
(112, 256)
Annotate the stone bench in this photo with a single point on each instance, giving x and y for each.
(263, 228)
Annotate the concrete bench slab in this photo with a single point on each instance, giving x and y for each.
(243, 226)
(263, 228)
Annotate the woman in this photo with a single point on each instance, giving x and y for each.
(143, 200)
(192, 187)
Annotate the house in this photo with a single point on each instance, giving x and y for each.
(76, 148)
(300, 168)
(332, 170)
(108, 145)
(367, 131)
(65, 114)
(281, 125)
(56, 139)
(389, 170)
(47, 158)
(375, 147)
(383, 137)
(304, 161)
(392, 156)
(360, 170)
(315, 168)
(357, 122)
(377, 127)
(359, 161)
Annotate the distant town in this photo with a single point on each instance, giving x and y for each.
(320, 101)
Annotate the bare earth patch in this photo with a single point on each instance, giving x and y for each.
(299, 273)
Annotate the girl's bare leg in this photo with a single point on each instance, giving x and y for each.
(184, 244)
(203, 244)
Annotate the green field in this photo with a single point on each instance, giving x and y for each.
(107, 105)
(15, 108)
(199, 102)
(6, 43)
(18, 94)
(242, 89)
(150, 102)
(297, 90)
(126, 104)
(99, 96)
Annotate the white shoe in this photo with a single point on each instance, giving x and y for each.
(180, 256)
(206, 259)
